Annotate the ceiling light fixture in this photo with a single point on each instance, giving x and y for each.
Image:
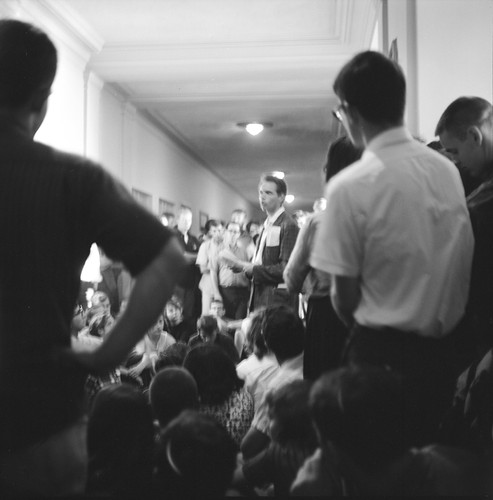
(278, 174)
(254, 128)
(289, 198)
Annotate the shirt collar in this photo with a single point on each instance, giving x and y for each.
(389, 138)
(271, 219)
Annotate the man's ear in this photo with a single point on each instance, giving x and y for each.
(474, 133)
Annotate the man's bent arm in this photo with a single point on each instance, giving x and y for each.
(345, 295)
(152, 288)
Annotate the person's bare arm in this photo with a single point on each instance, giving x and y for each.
(152, 288)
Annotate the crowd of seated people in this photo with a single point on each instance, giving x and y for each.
(219, 403)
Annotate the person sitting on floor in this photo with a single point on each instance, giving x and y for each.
(221, 392)
(283, 333)
(208, 332)
(172, 390)
(364, 450)
(120, 439)
(196, 458)
(142, 361)
(293, 440)
(175, 323)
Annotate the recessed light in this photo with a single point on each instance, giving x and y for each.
(254, 128)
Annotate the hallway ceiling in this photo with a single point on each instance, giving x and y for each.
(198, 67)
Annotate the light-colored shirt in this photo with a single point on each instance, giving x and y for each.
(290, 370)
(227, 277)
(257, 258)
(298, 275)
(257, 373)
(397, 220)
(207, 250)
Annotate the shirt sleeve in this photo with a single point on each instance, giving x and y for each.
(338, 247)
(126, 231)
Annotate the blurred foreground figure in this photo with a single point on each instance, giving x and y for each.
(53, 206)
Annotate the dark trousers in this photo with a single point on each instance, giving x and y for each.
(325, 338)
(429, 368)
(235, 300)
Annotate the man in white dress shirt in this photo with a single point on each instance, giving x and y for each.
(397, 240)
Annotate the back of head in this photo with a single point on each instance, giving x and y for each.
(196, 458)
(28, 62)
(120, 421)
(171, 391)
(283, 332)
(375, 86)
(288, 407)
(342, 153)
(255, 339)
(214, 371)
(207, 325)
(463, 113)
(360, 410)
(173, 355)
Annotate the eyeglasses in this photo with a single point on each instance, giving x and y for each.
(336, 112)
(78, 310)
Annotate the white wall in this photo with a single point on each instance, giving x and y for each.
(455, 50)
(446, 50)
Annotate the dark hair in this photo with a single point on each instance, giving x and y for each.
(463, 113)
(360, 410)
(28, 61)
(173, 355)
(196, 458)
(288, 405)
(120, 421)
(207, 324)
(250, 223)
(281, 186)
(375, 86)
(283, 332)
(172, 390)
(211, 223)
(342, 153)
(254, 336)
(215, 373)
(175, 301)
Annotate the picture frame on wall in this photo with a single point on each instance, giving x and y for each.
(203, 218)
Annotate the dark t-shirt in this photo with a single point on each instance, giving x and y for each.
(480, 205)
(222, 341)
(191, 276)
(53, 206)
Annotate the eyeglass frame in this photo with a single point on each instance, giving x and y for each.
(336, 112)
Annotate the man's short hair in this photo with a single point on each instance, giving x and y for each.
(207, 325)
(462, 113)
(375, 86)
(28, 60)
(283, 332)
(212, 223)
(361, 410)
(281, 186)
